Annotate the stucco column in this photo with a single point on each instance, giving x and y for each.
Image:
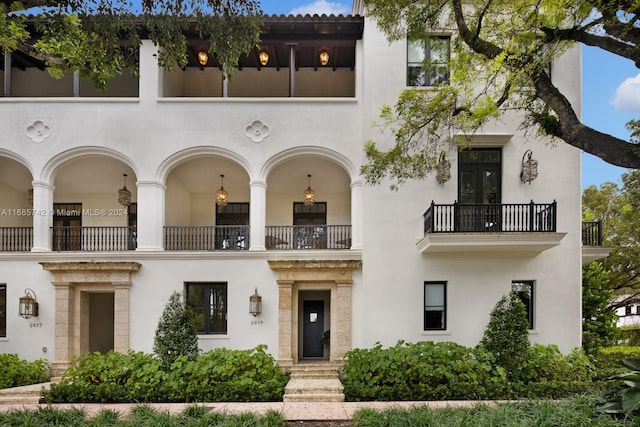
(150, 87)
(356, 214)
(150, 215)
(64, 339)
(285, 325)
(257, 214)
(121, 316)
(42, 216)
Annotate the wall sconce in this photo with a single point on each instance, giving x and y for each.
(264, 57)
(28, 306)
(309, 194)
(443, 169)
(222, 197)
(529, 168)
(203, 58)
(324, 57)
(124, 195)
(255, 303)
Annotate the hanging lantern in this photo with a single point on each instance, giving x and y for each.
(443, 169)
(222, 197)
(529, 168)
(264, 57)
(124, 195)
(309, 194)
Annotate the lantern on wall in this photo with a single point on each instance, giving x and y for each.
(529, 168)
(28, 306)
(443, 169)
(255, 303)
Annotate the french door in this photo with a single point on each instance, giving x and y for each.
(479, 190)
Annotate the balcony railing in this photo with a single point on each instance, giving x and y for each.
(73, 238)
(293, 237)
(476, 218)
(206, 237)
(592, 233)
(16, 239)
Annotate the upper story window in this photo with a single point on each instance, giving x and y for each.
(428, 61)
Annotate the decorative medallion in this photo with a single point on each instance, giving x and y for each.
(257, 131)
(38, 131)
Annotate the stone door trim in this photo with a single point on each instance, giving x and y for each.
(300, 275)
(72, 282)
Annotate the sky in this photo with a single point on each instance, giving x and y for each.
(610, 88)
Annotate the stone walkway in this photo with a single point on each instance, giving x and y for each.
(18, 398)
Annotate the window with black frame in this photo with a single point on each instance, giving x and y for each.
(208, 301)
(3, 310)
(524, 290)
(435, 305)
(428, 61)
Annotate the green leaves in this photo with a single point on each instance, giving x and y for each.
(176, 334)
(16, 372)
(624, 397)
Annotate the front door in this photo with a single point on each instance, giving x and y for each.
(101, 322)
(479, 187)
(313, 327)
(67, 226)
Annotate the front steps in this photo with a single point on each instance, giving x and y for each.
(316, 382)
(25, 395)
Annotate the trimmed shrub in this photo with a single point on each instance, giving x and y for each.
(507, 335)
(421, 371)
(176, 334)
(445, 370)
(15, 372)
(609, 361)
(215, 376)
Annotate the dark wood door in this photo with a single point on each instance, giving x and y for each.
(313, 327)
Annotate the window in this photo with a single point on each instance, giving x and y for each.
(208, 300)
(524, 289)
(435, 304)
(428, 61)
(627, 310)
(232, 225)
(3, 311)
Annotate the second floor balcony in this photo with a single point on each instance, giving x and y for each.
(505, 228)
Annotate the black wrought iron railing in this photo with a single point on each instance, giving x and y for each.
(293, 237)
(89, 239)
(16, 239)
(206, 237)
(477, 218)
(592, 233)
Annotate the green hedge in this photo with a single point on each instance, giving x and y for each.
(608, 360)
(446, 371)
(15, 372)
(215, 376)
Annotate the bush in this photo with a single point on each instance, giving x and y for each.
(176, 334)
(15, 372)
(609, 361)
(421, 371)
(507, 335)
(215, 376)
(445, 370)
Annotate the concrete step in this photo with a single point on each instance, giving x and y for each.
(302, 386)
(19, 399)
(315, 397)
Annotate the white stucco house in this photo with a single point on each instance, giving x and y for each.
(426, 262)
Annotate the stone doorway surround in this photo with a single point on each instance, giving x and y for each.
(73, 281)
(313, 275)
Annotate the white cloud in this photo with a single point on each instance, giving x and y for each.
(627, 97)
(322, 7)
